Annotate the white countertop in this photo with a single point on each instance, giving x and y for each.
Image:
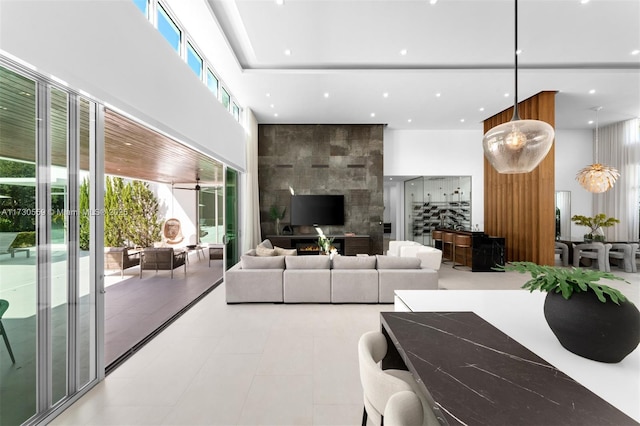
(519, 314)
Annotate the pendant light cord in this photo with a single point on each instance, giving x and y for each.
(596, 156)
(516, 116)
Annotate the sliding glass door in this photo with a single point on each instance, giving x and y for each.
(48, 299)
(231, 217)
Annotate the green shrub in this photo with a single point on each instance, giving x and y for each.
(24, 239)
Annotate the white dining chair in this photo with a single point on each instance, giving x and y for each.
(403, 409)
(379, 385)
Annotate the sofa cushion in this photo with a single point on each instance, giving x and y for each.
(354, 262)
(279, 251)
(258, 262)
(308, 262)
(265, 248)
(266, 244)
(263, 251)
(392, 262)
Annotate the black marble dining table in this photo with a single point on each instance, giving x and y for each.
(477, 375)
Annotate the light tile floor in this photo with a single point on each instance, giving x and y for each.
(255, 364)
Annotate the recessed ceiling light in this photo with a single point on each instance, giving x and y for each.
(433, 1)
(385, 95)
(287, 52)
(279, 2)
(635, 52)
(268, 95)
(590, 122)
(272, 106)
(584, 1)
(275, 115)
(481, 109)
(127, 144)
(409, 120)
(326, 94)
(518, 51)
(390, 178)
(592, 91)
(373, 114)
(438, 95)
(403, 52)
(462, 120)
(506, 95)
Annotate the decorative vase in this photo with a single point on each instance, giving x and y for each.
(277, 226)
(603, 332)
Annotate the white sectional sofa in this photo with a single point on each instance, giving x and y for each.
(317, 279)
(431, 257)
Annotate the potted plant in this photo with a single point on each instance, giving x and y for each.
(596, 224)
(589, 318)
(276, 215)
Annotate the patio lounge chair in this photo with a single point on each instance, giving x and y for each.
(162, 259)
(6, 239)
(120, 258)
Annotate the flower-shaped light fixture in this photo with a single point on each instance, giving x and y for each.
(517, 146)
(597, 177)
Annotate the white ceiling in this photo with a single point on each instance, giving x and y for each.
(459, 59)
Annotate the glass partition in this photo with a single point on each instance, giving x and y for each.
(436, 202)
(211, 215)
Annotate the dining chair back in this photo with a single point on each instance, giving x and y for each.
(403, 409)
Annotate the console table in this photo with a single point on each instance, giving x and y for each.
(485, 253)
(346, 245)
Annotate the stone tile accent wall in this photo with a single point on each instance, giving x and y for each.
(324, 159)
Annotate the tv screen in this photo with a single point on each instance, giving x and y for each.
(307, 210)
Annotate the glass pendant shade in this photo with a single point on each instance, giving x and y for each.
(597, 178)
(518, 146)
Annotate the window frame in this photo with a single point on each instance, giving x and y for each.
(217, 91)
(224, 92)
(162, 8)
(190, 44)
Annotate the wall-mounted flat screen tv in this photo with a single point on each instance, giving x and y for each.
(308, 210)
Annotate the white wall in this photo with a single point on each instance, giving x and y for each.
(459, 153)
(438, 153)
(110, 50)
(180, 205)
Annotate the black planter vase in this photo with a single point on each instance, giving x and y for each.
(603, 332)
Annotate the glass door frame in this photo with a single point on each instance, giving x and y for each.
(45, 408)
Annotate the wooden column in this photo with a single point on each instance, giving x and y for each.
(521, 207)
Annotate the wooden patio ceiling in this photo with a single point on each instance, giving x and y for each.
(131, 149)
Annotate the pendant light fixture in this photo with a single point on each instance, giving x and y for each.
(517, 146)
(597, 178)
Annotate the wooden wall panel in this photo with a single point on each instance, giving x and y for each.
(521, 207)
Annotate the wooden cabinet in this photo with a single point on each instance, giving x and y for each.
(346, 245)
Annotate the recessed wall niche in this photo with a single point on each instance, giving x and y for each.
(436, 202)
(323, 159)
